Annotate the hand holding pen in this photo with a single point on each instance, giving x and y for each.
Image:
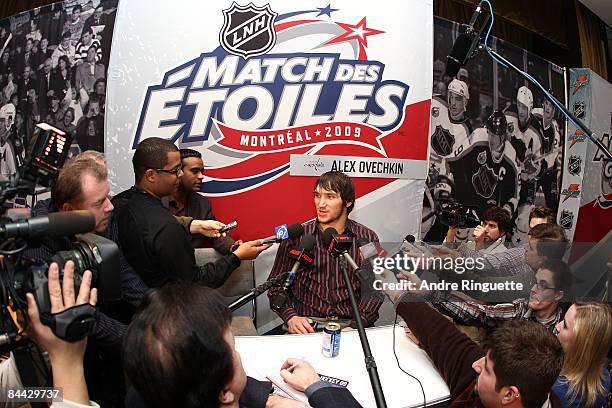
(298, 373)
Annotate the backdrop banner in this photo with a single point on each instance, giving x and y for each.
(253, 84)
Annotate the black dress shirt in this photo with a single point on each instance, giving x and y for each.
(158, 247)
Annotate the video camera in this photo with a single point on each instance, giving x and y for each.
(21, 271)
(453, 214)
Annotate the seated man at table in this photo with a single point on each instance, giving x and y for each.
(320, 294)
(517, 367)
(179, 352)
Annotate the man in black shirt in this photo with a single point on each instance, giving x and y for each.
(155, 244)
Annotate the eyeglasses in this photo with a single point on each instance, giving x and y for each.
(173, 171)
(540, 285)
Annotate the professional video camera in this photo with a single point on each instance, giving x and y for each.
(21, 272)
(453, 214)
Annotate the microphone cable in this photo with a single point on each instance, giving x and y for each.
(399, 365)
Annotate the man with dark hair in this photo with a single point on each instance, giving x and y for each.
(516, 368)
(83, 46)
(97, 22)
(154, 242)
(186, 201)
(541, 215)
(75, 25)
(490, 234)
(320, 295)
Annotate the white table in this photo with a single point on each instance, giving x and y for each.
(262, 355)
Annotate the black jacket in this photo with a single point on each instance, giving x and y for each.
(158, 247)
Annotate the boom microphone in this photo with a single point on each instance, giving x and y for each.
(303, 256)
(54, 224)
(464, 46)
(283, 232)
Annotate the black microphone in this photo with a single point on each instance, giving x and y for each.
(464, 46)
(54, 224)
(253, 293)
(335, 243)
(303, 256)
(283, 232)
(338, 245)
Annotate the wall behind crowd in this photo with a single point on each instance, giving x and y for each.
(534, 135)
(53, 69)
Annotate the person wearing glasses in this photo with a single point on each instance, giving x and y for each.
(153, 241)
(549, 287)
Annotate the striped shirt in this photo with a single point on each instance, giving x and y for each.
(483, 315)
(512, 262)
(320, 291)
(81, 50)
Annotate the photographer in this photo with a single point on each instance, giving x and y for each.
(490, 234)
(82, 185)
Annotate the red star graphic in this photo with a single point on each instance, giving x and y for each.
(357, 32)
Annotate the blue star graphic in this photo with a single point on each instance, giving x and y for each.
(326, 10)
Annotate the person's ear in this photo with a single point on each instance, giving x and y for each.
(226, 396)
(559, 295)
(349, 204)
(510, 394)
(67, 207)
(150, 175)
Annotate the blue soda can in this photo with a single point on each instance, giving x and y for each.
(331, 340)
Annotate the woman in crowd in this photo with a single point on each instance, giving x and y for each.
(60, 78)
(5, 63)
(586, 336)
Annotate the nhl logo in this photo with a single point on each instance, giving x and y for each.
(574, 165)
(482, 157)
(484, 181)
(442, 141)
(510, 127)
(567, 219)
(248, 30)
(435, 111)
(580, 109)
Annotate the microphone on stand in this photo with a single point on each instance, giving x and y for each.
(338, 245)
(303, 257)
